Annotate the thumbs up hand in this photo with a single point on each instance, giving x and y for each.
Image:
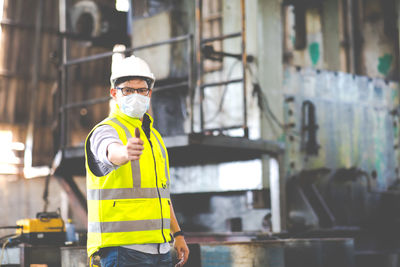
(137, 133)
(134, 146)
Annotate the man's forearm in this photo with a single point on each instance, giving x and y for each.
(116, 153)
(174, 222)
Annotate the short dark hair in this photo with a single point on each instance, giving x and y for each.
(128, 78)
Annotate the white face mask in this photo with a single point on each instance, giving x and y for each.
(133, 105)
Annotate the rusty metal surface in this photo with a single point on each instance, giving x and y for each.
(235, 255)
(282, 253)
(321, 252)
(352, 181)
(356, 125)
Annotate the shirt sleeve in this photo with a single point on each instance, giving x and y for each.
(101, 137)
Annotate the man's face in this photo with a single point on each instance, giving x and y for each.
(126, 88)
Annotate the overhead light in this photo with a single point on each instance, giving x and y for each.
(122, 5)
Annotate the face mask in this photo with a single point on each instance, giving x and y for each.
(134, 105)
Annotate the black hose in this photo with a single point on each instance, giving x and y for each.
(11, 227)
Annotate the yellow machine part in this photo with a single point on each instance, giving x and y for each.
(40, 225)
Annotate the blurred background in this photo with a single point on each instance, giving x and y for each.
(281, 119)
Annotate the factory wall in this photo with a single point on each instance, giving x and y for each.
(372, 34)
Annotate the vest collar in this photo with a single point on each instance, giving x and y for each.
(133, 121)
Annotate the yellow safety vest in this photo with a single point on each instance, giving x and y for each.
(131, 204)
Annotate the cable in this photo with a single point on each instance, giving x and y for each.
(263, 102)
(46, 193)
(4, 246)
(6, 236)
(46, 190)
(11, 227)
(264, 105)
(219, 110)
(2, 251)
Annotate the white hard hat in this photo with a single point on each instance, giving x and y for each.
(131, 66)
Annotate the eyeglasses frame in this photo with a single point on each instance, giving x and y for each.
(135, 90)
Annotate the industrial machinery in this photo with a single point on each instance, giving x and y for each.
(36, 241)
(47, 228)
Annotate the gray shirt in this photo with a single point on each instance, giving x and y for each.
(101, 138)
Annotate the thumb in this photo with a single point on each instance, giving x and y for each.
(137, 133)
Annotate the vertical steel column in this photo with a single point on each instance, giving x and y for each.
(63, 5)
(28, 155)
(277, 193)
(191, 86)
(244, 62)
(199, 58)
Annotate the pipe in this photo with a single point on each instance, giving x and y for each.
(244, 62)
(199, 59)
(108, 54)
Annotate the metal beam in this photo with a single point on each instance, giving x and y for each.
(244, 63)
(181, 38)
(270, 73)
(63, 8)
(199, 58)
(34, 87)
(222, 37)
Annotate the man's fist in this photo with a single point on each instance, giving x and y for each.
(134, 146)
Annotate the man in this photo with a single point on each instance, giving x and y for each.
(130, 214)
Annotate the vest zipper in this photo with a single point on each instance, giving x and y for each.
(158, 191)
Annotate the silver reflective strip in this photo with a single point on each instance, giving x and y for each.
(127, 226)
(125, 193)
(164, 156)
(134, 163)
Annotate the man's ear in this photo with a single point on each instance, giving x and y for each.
(151, 91)
(113, 92)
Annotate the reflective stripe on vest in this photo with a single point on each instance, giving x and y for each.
(126, 226)
(164, 156)
(134, 163)
(125, 193)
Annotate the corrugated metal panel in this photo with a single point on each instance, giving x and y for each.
(16, 73)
